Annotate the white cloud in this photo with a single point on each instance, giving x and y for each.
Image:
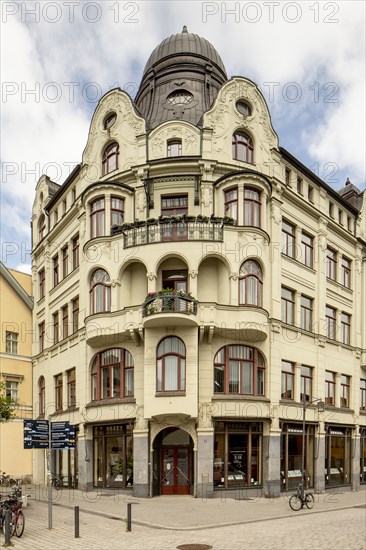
(115, 50)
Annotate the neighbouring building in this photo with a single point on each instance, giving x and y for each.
(16, 306)
(195, 285)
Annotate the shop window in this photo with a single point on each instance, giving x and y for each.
(113, 456)
(110, 159)
(231, 203)
(288, 239)
(288, 305)
(291, 455)
(250, 284)
(252, 207)
(100, 292)
(306, 312)
(171, 365)
(330, 384)
(237, 454)
(242, 147)
(337, 456)
(174, 148)
(287, 380)
(307, 249)
(11, 342)
(239, 370)
(97, 218)
(112, 374)
(41, 396)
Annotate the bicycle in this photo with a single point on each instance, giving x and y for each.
(57, 481)
(301, 498)
(17, 519)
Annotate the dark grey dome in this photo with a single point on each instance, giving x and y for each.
(181, 79)
(185, 43)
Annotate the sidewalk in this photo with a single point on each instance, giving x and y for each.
(187, 513)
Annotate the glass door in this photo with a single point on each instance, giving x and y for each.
(175, 478)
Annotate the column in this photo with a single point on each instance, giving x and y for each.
(355, 459)
(85, 458)
(272, 460)
(319, 477)
(204, 464)
(141, 463)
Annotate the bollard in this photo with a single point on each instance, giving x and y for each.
(7, 528)
(76, 509)
(129, 514)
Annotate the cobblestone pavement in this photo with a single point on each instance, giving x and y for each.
(261, 526)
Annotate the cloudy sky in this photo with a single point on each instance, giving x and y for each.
(59, 57)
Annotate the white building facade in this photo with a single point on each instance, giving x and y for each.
(194, 285)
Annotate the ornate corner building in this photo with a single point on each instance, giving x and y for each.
(196, 289)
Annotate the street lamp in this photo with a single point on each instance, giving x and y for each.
(305, 405)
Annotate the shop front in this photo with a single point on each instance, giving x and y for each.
(237, 454)
(337, 456)
(113, 456)
(362, 455)
(291, 455)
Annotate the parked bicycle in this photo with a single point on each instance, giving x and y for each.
(301, 498)
(17, 519)
(57, 481)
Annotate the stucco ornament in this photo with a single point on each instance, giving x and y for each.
(206, 193)
(141, 201)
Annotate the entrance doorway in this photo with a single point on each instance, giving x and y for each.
(173, 463)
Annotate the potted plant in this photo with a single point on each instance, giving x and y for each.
(151, 221)
(228, 220)
(202, 219)
(215, 219)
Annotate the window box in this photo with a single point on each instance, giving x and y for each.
(202, 219)
(228, 220)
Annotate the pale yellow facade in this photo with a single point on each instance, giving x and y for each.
(203, 407)
(16, 368)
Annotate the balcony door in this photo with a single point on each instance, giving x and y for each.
(177, 281)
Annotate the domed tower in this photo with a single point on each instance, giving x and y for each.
(181, 80)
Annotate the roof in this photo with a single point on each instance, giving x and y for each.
(16, 286)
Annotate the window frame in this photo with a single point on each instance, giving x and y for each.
(174, 146)
(344, 400)
(97, 218)
(125, 363)
(42, 283)
(331, 259)
(41, 396)
(11, 342)
(243, 285)
(288, 239)
(41, 227)
(56, 327)
(345, 328)
(106, 296)
(65, 261)
(71, 388)
(330, 387)
(305, 381)
(75, 315)
(346, 271)
(288, 303)
(56, 271)
(65, 321)
(307, 250)
(41, 333)
(117, 212)
(110, 152)
(75, 251)
(331, 322)
(252, 198)
(231, 204)
(181, 371)
(306, 313)
(363, 394)
(224, 366)
(58, 379)
(12, 390)
(242, 143)
(287, 374)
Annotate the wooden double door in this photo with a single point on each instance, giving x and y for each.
(175, 470)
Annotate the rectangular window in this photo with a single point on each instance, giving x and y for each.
(117, 211)
(42, 283)
(75, 251)
(345, 386)
(231, 203)
(174, 205)
(252, 207)
(12, 390)
(287, 176)
(331, 210)
(58, 392)
(288, 305)
(287, 380)
(288, 239)
(331, 261)
(363, 394)
(73, 195)
(345, 328)
(65, 261)
(75, 315)
(330, 384)
(174, 148)
(340, 217)
(55, 271)
(71, 388)
(41, 332)
(331, 317)
(97, 218)
(11, 342)
(307, 249)
(346, 272)
(299, 185)
(311, 194)
(306, 313)
(65, 321)
(306, 383)
(349, 223)
(55, 217)
(64, 207)
(55, 327)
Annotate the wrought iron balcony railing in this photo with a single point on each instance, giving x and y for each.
(169, 302)
(170, 231)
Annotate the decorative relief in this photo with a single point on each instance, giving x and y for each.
(141, 201)
(186, 425)
(189, 138)
(234, 276)
(193, 273)
(151, 276)
(276, 212)
(206, 195)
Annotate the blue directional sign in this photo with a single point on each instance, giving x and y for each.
(61, 437)
(36, 435)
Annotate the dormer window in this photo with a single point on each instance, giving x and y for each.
(110, 159)
(174, 148)
(180, 97)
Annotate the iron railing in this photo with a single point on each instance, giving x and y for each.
(169, 302)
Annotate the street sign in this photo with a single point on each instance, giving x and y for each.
(60, 436)
(36, 435)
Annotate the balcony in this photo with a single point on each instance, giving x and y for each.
(160, 307)
(171, 229)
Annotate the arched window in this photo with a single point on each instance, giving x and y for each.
(41, 227)
(41, 395)
(112, 374)
(250, 284)
(242, 147)
(110, 158)
(252, 207)
(171, 365)
(239, 370)
(100, 292)
(174, 148)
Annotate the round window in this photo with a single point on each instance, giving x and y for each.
(109, 120)
(180, 97)
(243, 108)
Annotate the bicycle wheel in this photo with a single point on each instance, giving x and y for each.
(295, 502)
(309, 500)
(20, 523)
(12, 523)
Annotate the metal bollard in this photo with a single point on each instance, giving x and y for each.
(77, 523)
(129, 515)
(7, 528)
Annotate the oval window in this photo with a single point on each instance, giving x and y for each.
(109, 120)
(243, 108)
(180, 97)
